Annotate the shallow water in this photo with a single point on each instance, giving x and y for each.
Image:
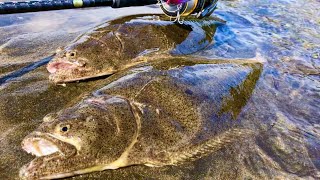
(283, 109)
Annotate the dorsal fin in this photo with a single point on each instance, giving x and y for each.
(212, 145)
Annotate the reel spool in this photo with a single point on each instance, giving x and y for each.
(202, 8)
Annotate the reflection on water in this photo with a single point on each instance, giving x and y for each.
(286, 101)
(240, 94)
(283, 108)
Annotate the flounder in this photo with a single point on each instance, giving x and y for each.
(170, 112)
(125, 42)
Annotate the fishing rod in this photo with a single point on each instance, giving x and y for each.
(47, 5)
(172, 8)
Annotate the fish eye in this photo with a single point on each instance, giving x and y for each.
(65, 128)
(72, 54)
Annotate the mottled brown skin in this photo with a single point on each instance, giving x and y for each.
(91, 123)
(125, 42)
(163, 114)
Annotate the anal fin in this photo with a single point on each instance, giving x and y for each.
(212, 145)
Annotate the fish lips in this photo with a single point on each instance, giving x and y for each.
(42, 144)
(45, 148)
(65, 64)
(62, 70)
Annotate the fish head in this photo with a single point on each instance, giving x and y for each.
(81, 61)
(87, 137)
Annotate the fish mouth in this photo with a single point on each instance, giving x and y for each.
(39, 147)
(42, 145)
(46, 148)
(64, 65)
(64, 70)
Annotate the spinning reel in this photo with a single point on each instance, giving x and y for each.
(180, 8)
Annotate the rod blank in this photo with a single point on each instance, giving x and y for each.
(47, 5)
